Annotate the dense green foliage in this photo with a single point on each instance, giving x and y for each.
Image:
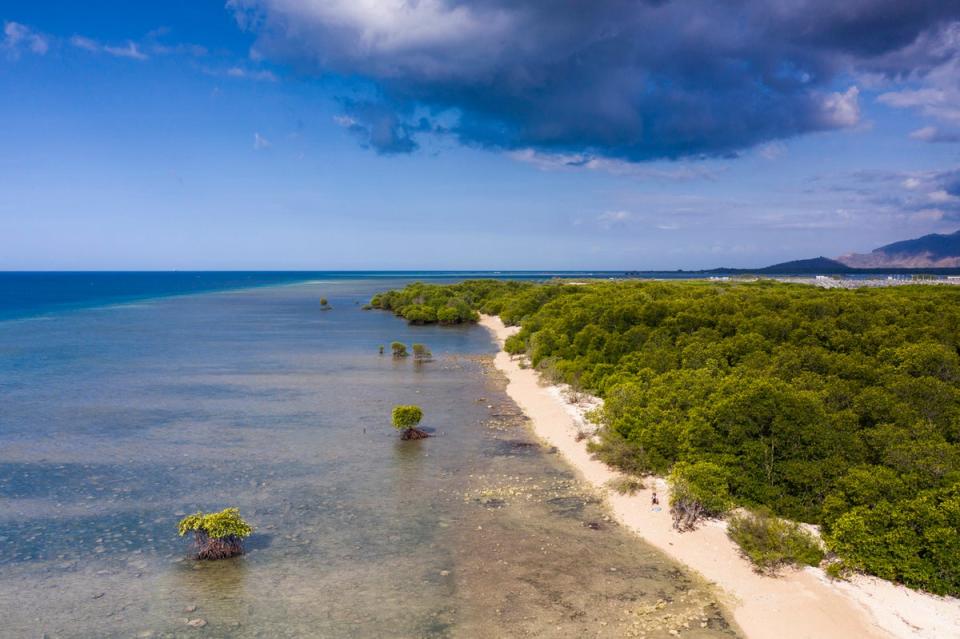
(405, 417)
(770, 542)
(453, 304)
(226, 523)
(421, 352)
(697, 490)
(399, 349)
(836, 407)
(914, 541)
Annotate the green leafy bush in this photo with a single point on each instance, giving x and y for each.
(406, 419)
(770, 542)
(626, 485)
(419, 314)
(697, 491)
(399, 349)
(449, 304)
(421, 353)
(614, 450)
(836, 570)
(914, 541)
(216, 535)
(406, 416)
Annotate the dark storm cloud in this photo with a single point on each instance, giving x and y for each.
(380, 127)
(629, 80)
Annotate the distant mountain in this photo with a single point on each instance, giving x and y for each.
(929, 251)
(816, 266)
(820, 264)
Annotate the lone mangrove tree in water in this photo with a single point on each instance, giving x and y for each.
(421, 353)
(406, 419)
(216, 535)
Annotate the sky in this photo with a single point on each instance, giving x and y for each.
(483, 134)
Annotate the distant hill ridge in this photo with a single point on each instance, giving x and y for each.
(930, 251)
(815, 265)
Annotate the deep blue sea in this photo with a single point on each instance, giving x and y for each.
(128, 400)
(25, 294)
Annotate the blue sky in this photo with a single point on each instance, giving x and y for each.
(351, 135)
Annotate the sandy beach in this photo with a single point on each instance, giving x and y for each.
(798, 604)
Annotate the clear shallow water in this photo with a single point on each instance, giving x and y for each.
(116, 421)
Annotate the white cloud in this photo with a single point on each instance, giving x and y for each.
(580, 161)
(383, 28)
(940, 196)
(129, 50)
(771, 150)
(84, 43)
(194, 50)
(18, 38)
(251, 74)
(610, 219)
(242, 73)
(842, 109)
(260, 142)
(936, 90)
(934, 134)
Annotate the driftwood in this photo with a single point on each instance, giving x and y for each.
(686, 513)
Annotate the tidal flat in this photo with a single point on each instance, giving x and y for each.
(117, 421)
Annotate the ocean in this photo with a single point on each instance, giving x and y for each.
(130, 400)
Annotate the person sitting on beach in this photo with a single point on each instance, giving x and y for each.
(654, 500)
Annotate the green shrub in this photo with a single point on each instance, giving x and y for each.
(216, 535)
(614, 450)
(912, 541)
(626, 485)
(836, 570)
(770, 542)
(447, 315)
(421, 352)
(697, 491)
(406, 416)
(399, 349)
(419, 314)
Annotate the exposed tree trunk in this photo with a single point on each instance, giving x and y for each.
(210, 548)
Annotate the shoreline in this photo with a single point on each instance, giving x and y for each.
(798, 604)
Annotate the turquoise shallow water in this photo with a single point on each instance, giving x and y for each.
(117, 420)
